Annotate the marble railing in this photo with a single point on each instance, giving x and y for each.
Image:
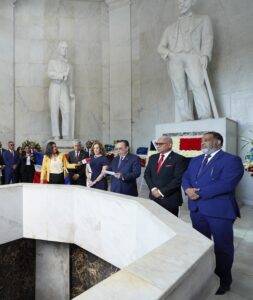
(160, 256)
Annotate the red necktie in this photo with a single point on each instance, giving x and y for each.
(159, 163)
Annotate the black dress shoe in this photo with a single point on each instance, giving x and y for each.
(222, 290)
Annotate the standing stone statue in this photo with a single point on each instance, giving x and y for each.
(187, 44)
(61, 93)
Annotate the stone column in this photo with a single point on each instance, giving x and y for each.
(52, 271)
(7, 126)
(120, 69)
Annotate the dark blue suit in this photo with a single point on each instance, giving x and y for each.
(2, 150)
(10, 160)
(130, 168)
(213, 214)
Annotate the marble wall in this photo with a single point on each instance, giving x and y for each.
(39, 26)
(87, 270)
(6, 73)
(17, 270)
(230, 70)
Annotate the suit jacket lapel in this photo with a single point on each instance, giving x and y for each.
(168, 158)
(209, 165)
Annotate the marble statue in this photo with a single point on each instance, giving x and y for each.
(61, 93)
(187, 45)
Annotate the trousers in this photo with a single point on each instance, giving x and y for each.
(185, 67)
(59, 101)
(221, 230)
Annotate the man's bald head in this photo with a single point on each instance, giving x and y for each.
(164, 144)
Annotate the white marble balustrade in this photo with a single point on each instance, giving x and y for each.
(160, 256)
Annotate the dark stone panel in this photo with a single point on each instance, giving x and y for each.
(86, 270)
(17, 270)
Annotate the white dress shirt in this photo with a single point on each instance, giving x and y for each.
(212, 155)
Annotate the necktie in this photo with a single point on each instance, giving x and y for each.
(120, 161)
(203, 165)
(159, 163)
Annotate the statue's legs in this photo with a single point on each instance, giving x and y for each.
(195, 75)
(54, 100)
(183, 107)
(65, 111)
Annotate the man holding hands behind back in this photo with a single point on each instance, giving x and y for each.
(163, 176)
(210, 183)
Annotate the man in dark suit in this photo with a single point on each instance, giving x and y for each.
(78, 176)
(210, 183)
(2, 163)
(163, 176)
(127, 168)
(11, 161)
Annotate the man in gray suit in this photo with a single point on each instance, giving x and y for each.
(187, 44)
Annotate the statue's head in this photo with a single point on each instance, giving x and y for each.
(63, 48)
(185, 5)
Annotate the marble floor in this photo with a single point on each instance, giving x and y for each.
(242, 287)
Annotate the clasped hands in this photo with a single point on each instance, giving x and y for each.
(192, 193)
(155, 193)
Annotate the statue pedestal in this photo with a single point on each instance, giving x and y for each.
(64, 145)
(226, 127)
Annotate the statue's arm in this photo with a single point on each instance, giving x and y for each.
(207, 38)
(163, 48)
(52, 72)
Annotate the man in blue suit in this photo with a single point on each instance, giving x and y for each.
(210, 183)
(127, 168)
(11, 161)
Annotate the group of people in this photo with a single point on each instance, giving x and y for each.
(18, 165)
(83, 168)
(209, 182)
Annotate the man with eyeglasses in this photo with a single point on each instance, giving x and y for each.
(163, 176)
(126, 168)
(11, 161)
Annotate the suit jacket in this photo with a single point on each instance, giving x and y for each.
(130, 168)
(74, 160)
(22, 163)
(10, 160)
(45, 168)
(1, 164)
(201, 37)
(168, 180)
(1, 157)
(217, 183)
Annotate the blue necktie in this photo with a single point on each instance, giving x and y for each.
(203, 164)
(120, 160)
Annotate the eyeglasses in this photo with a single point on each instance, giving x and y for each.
(160, 144)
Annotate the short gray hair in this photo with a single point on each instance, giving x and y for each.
(168, 137)
(77, 142)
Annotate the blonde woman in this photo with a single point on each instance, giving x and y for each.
(54, 165)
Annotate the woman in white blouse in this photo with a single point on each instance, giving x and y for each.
(54, 165)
